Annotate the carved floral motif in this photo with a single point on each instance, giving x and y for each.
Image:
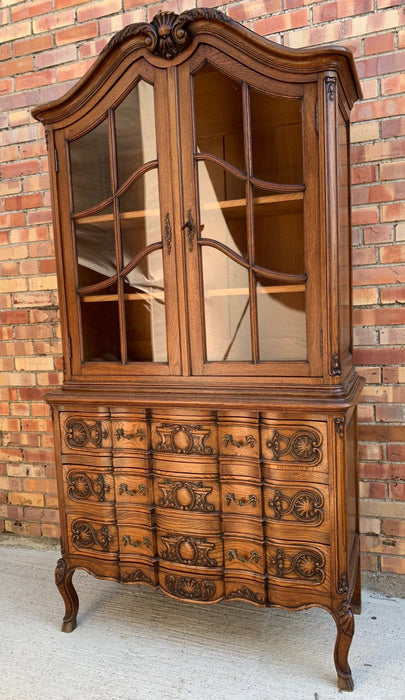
(308, 565)
(81, 486)
(247, 594)
(306, 506)
(79, 434)
(182, 439)
(303, 446)
(167, 35)
(185, 495)
(135, 577)
(85, 536)
(190, 588)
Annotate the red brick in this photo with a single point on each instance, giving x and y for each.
(19, 65)
(327, 12)
(373, 356)
(250, 10)
(393, 295)
(56, 56)
(390, 412)
(32, 45)
(393, 212)
(392, 171)
(377, 275)
(365, 215)
(102, 9)
(364, 173)
(27, 201)
(393, 565)
(379, 234)
(393, 127)
(393, 528)
(372, 489)
(393, 84)
(378, 317)
(381, 43)
(282, 22)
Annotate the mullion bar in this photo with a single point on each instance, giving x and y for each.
(117, 237)
(250, 223)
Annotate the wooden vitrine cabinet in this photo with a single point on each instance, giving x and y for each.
(206, 428)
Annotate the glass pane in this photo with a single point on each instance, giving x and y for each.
(279, 232)
(139, 214)
(135, 130)
(95, 248)
(145, 311)
(222, 207)
(219, 116)
(276, 138)
(90, 168)
(100, 326)
(226, 304)
(282, 326)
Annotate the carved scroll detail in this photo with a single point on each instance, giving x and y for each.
(307, 565)
(188, 550)
(85, 536)
(247, 594)
(190, 588)
(167, 35)
(340, 426)
(331, 88)
(81, 486)
(182, 439)
(303, 446)
(335, 368)
(306, 506)
(185, 495)
(79, 434)
(135, 577)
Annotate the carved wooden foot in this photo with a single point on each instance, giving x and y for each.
(345, 630)
(63, 580)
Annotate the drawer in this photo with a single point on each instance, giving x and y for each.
(87, 433)
(190, 523)
(297, 443)
(87, 485)
(238, 440)
(243, 498)
(232, 468)
(189, 550)
(184, 438)
(91, 536)
(193, 496)
(296, 564)
(242, 526)
(129, 435)
(135, 540)
(191, 587)
(244, 554)
(134, 489)
(251, 588)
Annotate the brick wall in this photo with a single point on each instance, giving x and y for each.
(46, 46)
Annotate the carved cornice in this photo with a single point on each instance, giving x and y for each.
(167, 34)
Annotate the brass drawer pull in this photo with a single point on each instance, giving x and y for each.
(120, 433)
(230, 498)
(123, 488)
(127, 540)
(254, 556)
(249, 440)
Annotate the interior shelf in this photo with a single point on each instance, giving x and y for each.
(235, 291)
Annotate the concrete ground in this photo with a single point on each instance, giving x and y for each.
(132, 643)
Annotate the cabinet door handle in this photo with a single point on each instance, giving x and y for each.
(254, 556)
(230, 498)
(189, 224)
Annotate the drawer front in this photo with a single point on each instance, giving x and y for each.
(191, 587)
(91, 536)
(238, 440)
(87, 484)
(184, 438)
(188, 550)
(192, 496)
(193, 524)
(129, 435)
(244, 554)
(232, 468)
(134, 489)
(135, 540)
(242, 498)
(302, 445)
(139, 572)
(296, 564)
(86, 433)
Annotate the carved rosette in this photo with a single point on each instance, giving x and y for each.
(79, 434)
(85, 536)
(182, 439)
(81, 486)
(194, 551)
(306, 506)
(303, 446)
(190, 588)
(247, 594)
(308, 565)
(167, 35)
(185, 495)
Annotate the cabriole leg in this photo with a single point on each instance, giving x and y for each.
(63, 580)
(345, 629)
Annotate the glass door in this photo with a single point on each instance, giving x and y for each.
(122, 238)
(249, 259)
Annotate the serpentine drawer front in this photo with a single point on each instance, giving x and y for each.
(205, 433)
